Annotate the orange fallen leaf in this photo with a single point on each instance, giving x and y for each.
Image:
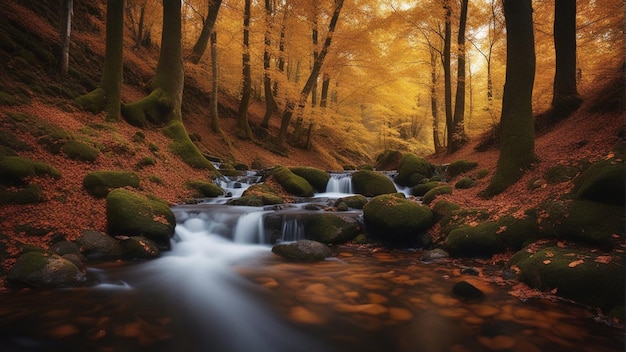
(575, 263)
(603, 259)
(560, 244)
(501, 230)
(547, 261)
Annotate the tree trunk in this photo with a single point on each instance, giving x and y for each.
(246, 90)
(162, 106)
(517, 141)
(308, 86)
(458, 136)
(314, 35)
(205, 34)
(66, 30)
(270, 102)
(433, 99)
(142, 16)
(447, 71)
(214, 83)
(107, 95)
(565, 93)
(325, 86)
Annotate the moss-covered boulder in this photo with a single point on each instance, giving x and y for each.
(459, 167)
(96, 245)
(139, 247)
(330, 228)
(443, 208)
(100, 183)
(79, 150)
(27, 194)
(44, 270)
(475, 241)
(587, 276)
(464, 183)
(15, 169)
(412, 170)
(396, 220)
(205, 189)
(433, 193)
(356, 201)
(371, 183)
(421, 189)
(602, 182)
(131, 214)
(258, 195)
(388, 160)
(316, 177)
(292, 183)
(303, 251)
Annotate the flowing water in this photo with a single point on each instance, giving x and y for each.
(221, 289)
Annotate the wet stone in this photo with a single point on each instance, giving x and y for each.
(466, 290)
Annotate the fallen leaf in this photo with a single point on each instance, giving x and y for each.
(547, 261)
(575, 263)
(560, 244)
(501, 230)
(603, 259)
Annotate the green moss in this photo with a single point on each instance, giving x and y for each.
(443, 208)
(184, 147)
(100, 183)
(153, 147)
(481, 240)
(349, 167)
(421, 189)
(257, 164)
(602, 182)
(292, 183)
(330, 228)
(365, 167)
(15, 169)
(388, 160)
(152, 109)
(155, 179)
(396, 219)
(248, 201)
(412, 170)
(458, 167)
(94, 101)
(560, 173)
(139, 137)
(433, 193)
(482, 173)
(206, 189)
(9, 139)
(356, 201)
(146, 161)
(316, 177)
(131, 214)
(26, 195)
(371, 183)
(78, 150)
(464, 183)
(517, 233)
(28, 263)
(6, 151)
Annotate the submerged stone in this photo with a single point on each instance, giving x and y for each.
(466, 290)
(303, 251)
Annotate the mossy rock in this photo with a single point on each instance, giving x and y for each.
(258, 195)
(396, 220)
(303, 251)
(602, 182)
(43, 270)
(206, 189)
(100, 183)
(316, 177)
(459, 167)
(131, 214)
(421, 189)
(146, 161)
(11, 140)
(388, 160)
(15, 169)
(412, 170)
(96, 245)
(561, 173)
(330, 228)
(78, 150)
(590, 277)
(464, 183)
(475, 241)
(247, 201)
(139, 247)
(7, 151)
(292, 183)
(518, 232)
(371, 183)
(443, 208)
(433, 193)
(463, 216)
(356, 201)
(28, 194)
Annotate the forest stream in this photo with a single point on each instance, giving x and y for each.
(221, 288)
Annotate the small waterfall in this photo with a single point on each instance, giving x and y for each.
(249, 228)
(236, 185)
(292, 230)
(339, 183)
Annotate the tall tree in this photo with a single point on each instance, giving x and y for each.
(458, 129)
(270, 102)
(517, 141)
(447, 74)
(107, 94)
(214, 83)
(207, 27)
(308, 86)
(565, 98)
(66, 30)
(162, 107)
(243, 126)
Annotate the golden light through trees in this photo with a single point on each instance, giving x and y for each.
(383, 60)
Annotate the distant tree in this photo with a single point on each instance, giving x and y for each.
(243, 125)
(308, 86)
(207, 27)
(458, 136)
(107, 94)
(565, 97)
(447, 74)
(214, 83)
(270, 102)
(162, 107)
(65, 30)
(517, 141)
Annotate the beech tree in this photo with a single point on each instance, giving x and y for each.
(458, 136)
(162, 107)
(66, 30)
(565, 98)
(243, 126)
(517, 141)
(207, 27)
(270, 102)
(107, 94)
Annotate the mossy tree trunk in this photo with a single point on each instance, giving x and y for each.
(270, 102)
(243, 125)
(214, 83)
(162, 107)
(565, 93)
(447, 74)
(108, 93)
(207, 27)
(308, 86)
(459, 138)
(517, 142)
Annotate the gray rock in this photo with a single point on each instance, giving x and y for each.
(42, 270)
(303, 251)
(97, 245)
